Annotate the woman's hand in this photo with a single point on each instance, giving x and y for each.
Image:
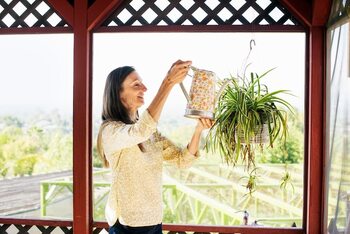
(178, 72)
(204, 123)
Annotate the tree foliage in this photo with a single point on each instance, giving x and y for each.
(292, 150)
(41, 144)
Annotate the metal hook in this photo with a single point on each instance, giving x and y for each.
(252, 41)
(244, 65)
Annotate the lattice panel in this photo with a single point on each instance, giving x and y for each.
(191, 12)
(30, 229)
(36, 229)
(105, 231)
(100, 231)
(28, 13)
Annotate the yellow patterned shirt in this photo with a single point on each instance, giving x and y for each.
(135, 197)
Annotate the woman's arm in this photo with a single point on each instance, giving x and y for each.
(183, 158)
(201, 125)
(176, 74)
(117, 136)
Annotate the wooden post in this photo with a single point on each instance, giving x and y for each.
(317, 118)
(316, 126)
(82, 143)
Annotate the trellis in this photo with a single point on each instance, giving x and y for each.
(184, 12)
(29, 13)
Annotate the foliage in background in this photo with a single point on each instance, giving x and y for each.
(45, 140)
(35, 146)
(291, 151)
(96, 161)
(41, 144)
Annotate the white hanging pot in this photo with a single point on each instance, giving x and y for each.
(261, 135)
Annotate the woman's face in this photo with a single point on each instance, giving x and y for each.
(132, 92)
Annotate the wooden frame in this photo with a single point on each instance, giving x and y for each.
(64, 9)
(203, 28)
(65, 226)
(85, 20)
(82, 124)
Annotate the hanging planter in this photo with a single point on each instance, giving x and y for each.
(260, 136)
(248, 117)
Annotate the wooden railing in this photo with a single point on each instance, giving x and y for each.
(10, 226)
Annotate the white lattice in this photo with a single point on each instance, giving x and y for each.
(250, 14)
(29, 13)
(210, 12)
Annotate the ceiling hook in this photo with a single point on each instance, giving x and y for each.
(252, 42)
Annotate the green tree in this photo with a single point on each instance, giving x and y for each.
(3, 166)
(96, 161)
(43, 143)
(25, 165)
(10, 121)
(59, 153)
(292, 150)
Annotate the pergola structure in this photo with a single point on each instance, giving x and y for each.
(85, 17)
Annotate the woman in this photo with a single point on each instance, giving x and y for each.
(131, 146)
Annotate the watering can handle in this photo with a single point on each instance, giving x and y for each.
(184, 91)
(183, 87)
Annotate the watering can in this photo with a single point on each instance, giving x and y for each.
(203, 97)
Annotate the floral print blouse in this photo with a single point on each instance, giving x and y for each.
(135, 197)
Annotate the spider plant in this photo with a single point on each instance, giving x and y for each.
(251, 181)
(245, 106)
(286, 180)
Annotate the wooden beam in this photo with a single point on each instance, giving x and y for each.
(35, 30)
(82, 143)
(36, 222)
(202, 28)
(64, 9)
(320, 12)
(316, 128)
(300, 9)
(100, 10)
(227, 229)
(180, 228)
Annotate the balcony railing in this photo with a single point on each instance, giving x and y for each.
(9, 226)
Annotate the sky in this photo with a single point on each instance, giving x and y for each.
(37, 70)
(36, 73)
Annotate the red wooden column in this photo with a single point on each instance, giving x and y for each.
(84, 20)
(317, 117)
(316, 129)
(82, 168)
